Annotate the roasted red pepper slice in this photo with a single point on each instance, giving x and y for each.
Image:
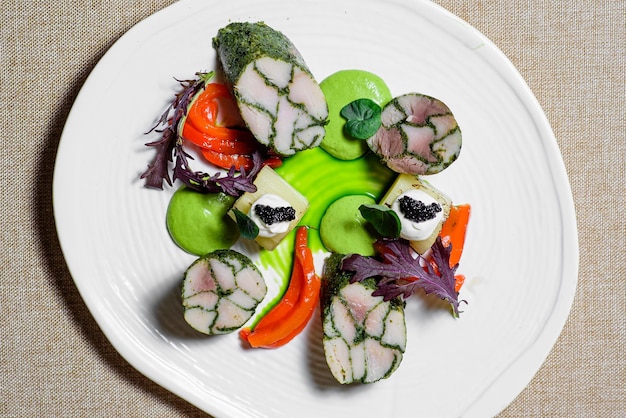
(291, 315)
(454, 229)
(222, 146)
(227, 161)
(453, 232)
(203, 111)
(243, 144)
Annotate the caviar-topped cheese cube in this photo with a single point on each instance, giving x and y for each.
(276, 207)
(422, 210)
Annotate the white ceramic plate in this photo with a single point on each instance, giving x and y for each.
(521, 255)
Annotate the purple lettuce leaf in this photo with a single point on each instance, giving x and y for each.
(403, 272)
(170, 149)
(167, 125)
(231, 184)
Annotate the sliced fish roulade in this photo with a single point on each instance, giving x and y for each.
(278, 97)
(364, 336)
(221, 291)
(419, 135)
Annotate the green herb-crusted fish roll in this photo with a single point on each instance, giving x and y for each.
(364, 336)
(221, 291)
(278, 97)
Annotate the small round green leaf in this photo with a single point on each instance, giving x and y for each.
(384, 220)
(363, 118)
(247, 227)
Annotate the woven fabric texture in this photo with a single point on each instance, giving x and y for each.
(55, 361)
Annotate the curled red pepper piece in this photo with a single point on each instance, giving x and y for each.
(204, 110)
(293, 312)
(243, 143)
(222, 160)
(238, 161)
(223, 146)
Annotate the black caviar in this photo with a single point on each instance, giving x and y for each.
(418, 211)
(270, 215)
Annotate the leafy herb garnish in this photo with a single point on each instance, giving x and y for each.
(170, 147)
(363, 118)
(384, 220)
(247, 227)
(402, 271)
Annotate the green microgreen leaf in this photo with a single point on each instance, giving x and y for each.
(206, 77)
(363, 118)
(247, 227)
(384, 220)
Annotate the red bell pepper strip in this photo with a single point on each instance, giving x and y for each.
(201, 125)
(273, 161)
(453, 232)
(454, 229)
(238, 161)
(288, 319)
(203, 111)
(283, 309)
(222, 146)
(293, 333)
(459, 279)
(228, 144)
(227, 161)
(287, 303)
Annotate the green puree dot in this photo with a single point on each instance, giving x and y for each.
(198, 223)
(344, 230)
(340, 89)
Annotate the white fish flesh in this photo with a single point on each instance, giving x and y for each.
(278, 97)
(418, 135)
(364, 336)
(221, 291)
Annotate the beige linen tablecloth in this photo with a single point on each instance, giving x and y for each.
(55, 361)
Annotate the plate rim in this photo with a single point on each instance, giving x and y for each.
(529, 362)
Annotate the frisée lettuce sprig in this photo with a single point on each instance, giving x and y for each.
(170, 149)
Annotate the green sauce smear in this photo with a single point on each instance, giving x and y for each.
(322, 179)
(339, 167)
(199, 223)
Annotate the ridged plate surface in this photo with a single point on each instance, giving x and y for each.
(521, 256)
